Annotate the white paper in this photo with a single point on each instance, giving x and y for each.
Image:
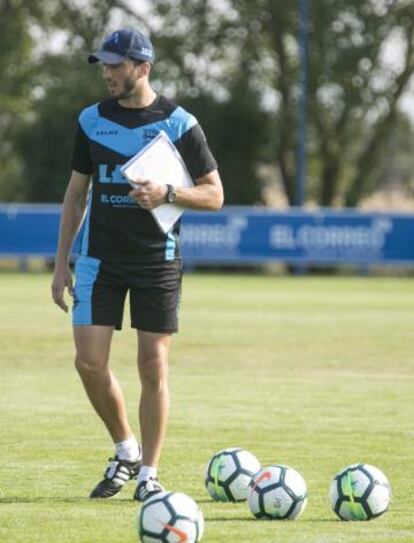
(161, 163)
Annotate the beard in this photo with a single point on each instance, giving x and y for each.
(126, 90)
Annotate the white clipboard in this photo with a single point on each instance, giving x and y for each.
(161, 163)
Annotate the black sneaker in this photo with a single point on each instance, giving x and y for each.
(116, 475)
(148, 488)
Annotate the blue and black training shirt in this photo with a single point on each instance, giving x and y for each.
(115, 227)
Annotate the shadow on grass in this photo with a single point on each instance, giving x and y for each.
(68, 499)
(114, 502)
(227, 519)
(211, 519)
(212, 502)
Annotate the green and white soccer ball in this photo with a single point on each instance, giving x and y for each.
(360, 492)
(170, 517)
(228, 474)
(277, 493)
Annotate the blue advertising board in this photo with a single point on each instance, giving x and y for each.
(29, 230)
(244, 235)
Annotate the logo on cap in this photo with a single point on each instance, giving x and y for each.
(114, 37)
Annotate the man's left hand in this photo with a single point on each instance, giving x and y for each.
(147, 194)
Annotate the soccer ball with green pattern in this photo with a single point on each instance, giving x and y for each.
(277, 493)
(360, 492)
(228, 474)
(170, 517)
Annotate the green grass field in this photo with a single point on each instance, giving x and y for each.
(316, 373)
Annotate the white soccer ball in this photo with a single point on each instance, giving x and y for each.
(360, 492)
(228, 474)
(277, 492)
(170, 517)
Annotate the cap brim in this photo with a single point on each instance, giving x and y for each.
(106, 57)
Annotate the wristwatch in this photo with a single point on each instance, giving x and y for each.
(171, 194)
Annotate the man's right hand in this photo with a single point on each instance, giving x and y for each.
(62, 279)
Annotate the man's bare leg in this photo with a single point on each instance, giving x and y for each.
(93, 344)
(153, 351)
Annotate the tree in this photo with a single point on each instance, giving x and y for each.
(234, 63)
(61, 84)
(236, 133)
(66, 83)
(16, 71)
(353, 97)
(46, 141)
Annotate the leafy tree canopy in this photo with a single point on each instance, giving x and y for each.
(235, 64)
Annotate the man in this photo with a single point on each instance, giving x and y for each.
(123, 249)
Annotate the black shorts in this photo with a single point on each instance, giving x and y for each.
(154, 294)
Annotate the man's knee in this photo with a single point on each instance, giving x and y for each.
(90, 368)
(153, 371)
(92, 350)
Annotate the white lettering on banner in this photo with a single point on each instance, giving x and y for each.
(331, 237)
(223, 236)
(336, 236)
(282, 236)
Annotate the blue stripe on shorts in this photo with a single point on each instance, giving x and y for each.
(86, 272)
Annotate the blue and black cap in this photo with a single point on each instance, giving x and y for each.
(123, 44)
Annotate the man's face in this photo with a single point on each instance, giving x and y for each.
(121, 79)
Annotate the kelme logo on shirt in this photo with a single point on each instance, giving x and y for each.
(106, 132)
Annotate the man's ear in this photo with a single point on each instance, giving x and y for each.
(144, 69)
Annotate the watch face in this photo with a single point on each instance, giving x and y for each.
(170, 194)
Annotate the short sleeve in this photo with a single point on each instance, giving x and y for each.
(81, 158)
(196, 153)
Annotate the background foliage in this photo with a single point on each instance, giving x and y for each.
(235, 65)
